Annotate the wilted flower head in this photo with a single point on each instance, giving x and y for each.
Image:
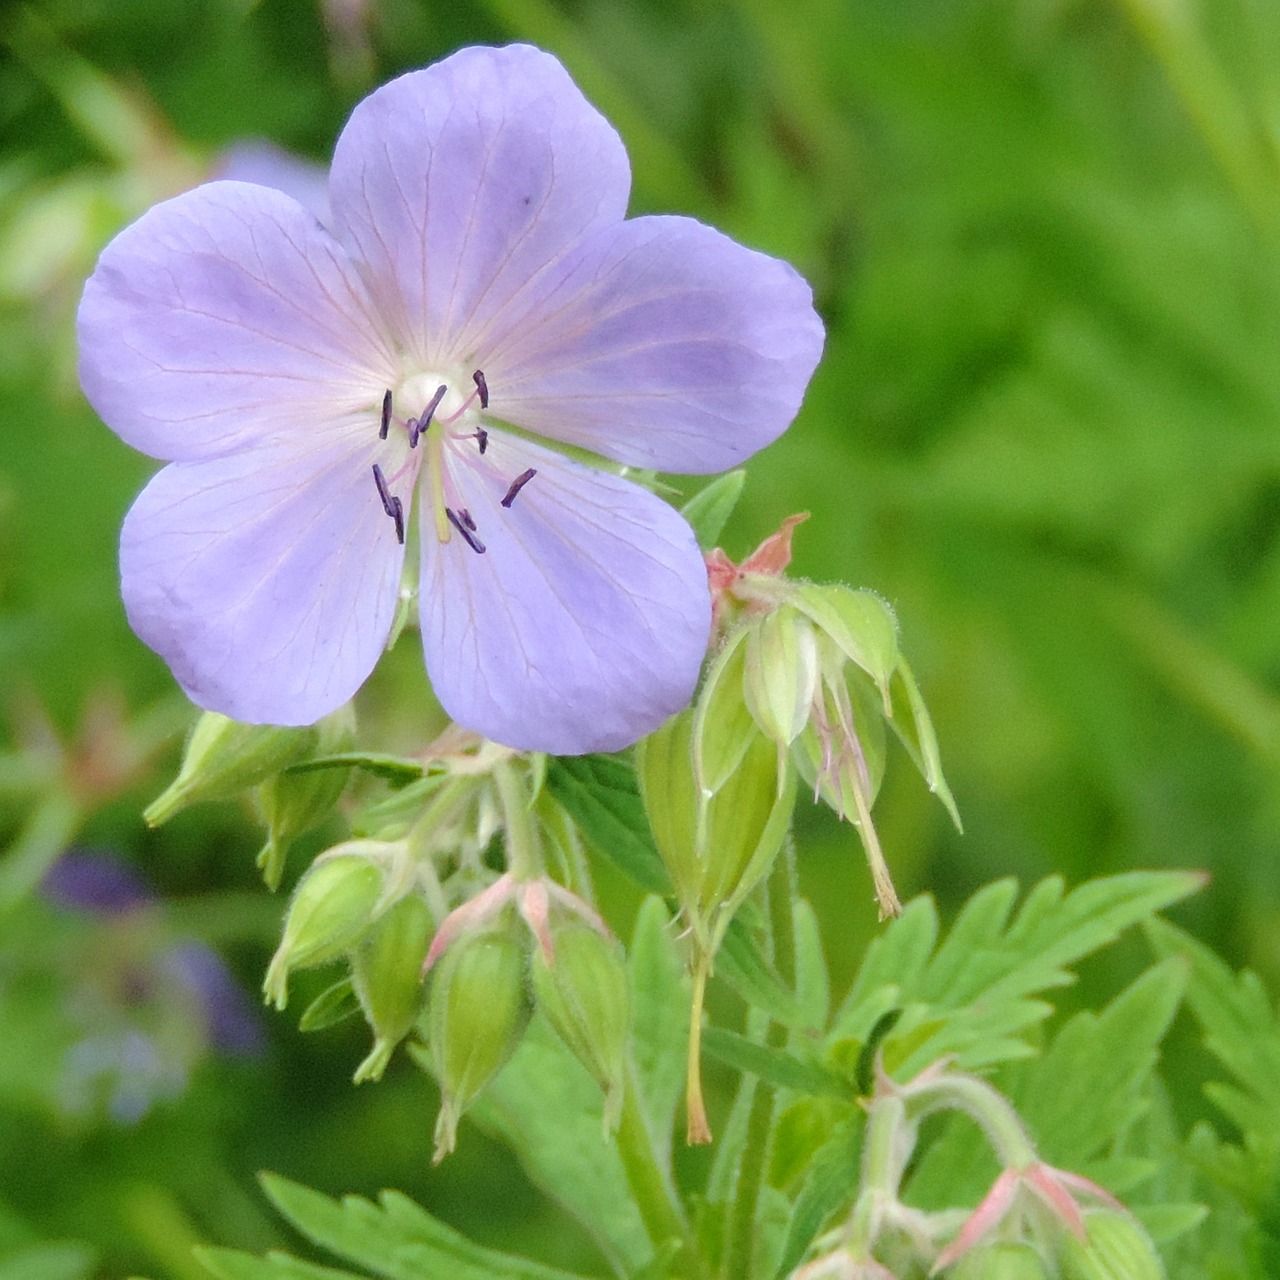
(306, 384)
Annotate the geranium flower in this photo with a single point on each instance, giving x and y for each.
(478, 287)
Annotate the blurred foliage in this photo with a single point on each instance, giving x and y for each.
(1045, 237)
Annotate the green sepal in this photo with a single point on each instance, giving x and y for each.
(709, 509)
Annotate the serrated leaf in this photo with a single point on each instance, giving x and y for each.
(1099, 1065)
(602, 796)
(394, 1238)
(709, 509)
(230, 1264)
(779, 1067)
(399, 771)
(333, 1005)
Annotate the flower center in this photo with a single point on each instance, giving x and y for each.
(449, 413)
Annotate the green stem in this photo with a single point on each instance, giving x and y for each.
(698, 1131)
(881, 1172)
(742, 1228)
(524, 858)
(987, 1106)
(651, 1187)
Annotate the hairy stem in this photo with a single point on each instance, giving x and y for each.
(741, 1231)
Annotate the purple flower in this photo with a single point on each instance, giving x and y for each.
(305, 384)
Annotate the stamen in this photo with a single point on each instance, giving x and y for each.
(466, 518)
(467, 536)
(517, 484)
(386, 414)
(390, 504)
(482, 387)
(418, 426)
(482, 439)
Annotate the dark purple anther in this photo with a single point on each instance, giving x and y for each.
(432, 405)
(391, 505)
(482, 439)
(517, 484)
(466, 518)
(482, 387)
(386, 414)
(467, 536)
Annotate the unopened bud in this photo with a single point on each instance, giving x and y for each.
(224, 758)
(1002, 1260)
(333, 905)
(1116, 1248)
(294, 802)
(781, 676)
(386, 972)
(477, 1013)
(583, 992)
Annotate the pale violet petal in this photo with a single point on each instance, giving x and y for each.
(461, 186)
(661, 344)
(266, 579)
(583, 624)
(224, 317)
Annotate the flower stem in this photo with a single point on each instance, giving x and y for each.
(988, 1107)
(651, 1187)
(698, 1131)
(742, 1228)
(524, 859)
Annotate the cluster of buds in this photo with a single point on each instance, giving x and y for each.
(518, 945)
(1035, 1223)
(817, 671)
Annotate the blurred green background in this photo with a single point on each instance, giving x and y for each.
(1045, 238)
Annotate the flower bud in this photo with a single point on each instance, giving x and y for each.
(1116, 1248)
(333, 905)
(583, 991)
(1002, 1260)
(781, 673)
(386, 973)
(478, 1009)
(291, 803)
(224, 758)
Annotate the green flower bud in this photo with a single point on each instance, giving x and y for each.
(476, 1017)
(224, 758)
(583, 992)
(386, 972)
(1001, 1260)
(293, 802)
(781, 673)
(716, 844)
(1116, 1248)
(333, 905)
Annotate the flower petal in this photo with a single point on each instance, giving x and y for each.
(461, 185)
(584, 623)
(662, 344)
(266, 580)
(224, 317)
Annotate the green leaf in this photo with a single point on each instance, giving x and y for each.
(549, 1111)
(833, 1176)
(742, 965)
(972, 997)
(601, 795)
(1100, 1065)
(399, 771)
(230, 1264)
(660, 1008)
(394, 1238)
(709, 509)
(333, 1005)
(778, 1066)
(49, 1260)
(1240, 1029)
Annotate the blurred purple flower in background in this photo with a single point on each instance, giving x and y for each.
(306, 385)
(147, 1006)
